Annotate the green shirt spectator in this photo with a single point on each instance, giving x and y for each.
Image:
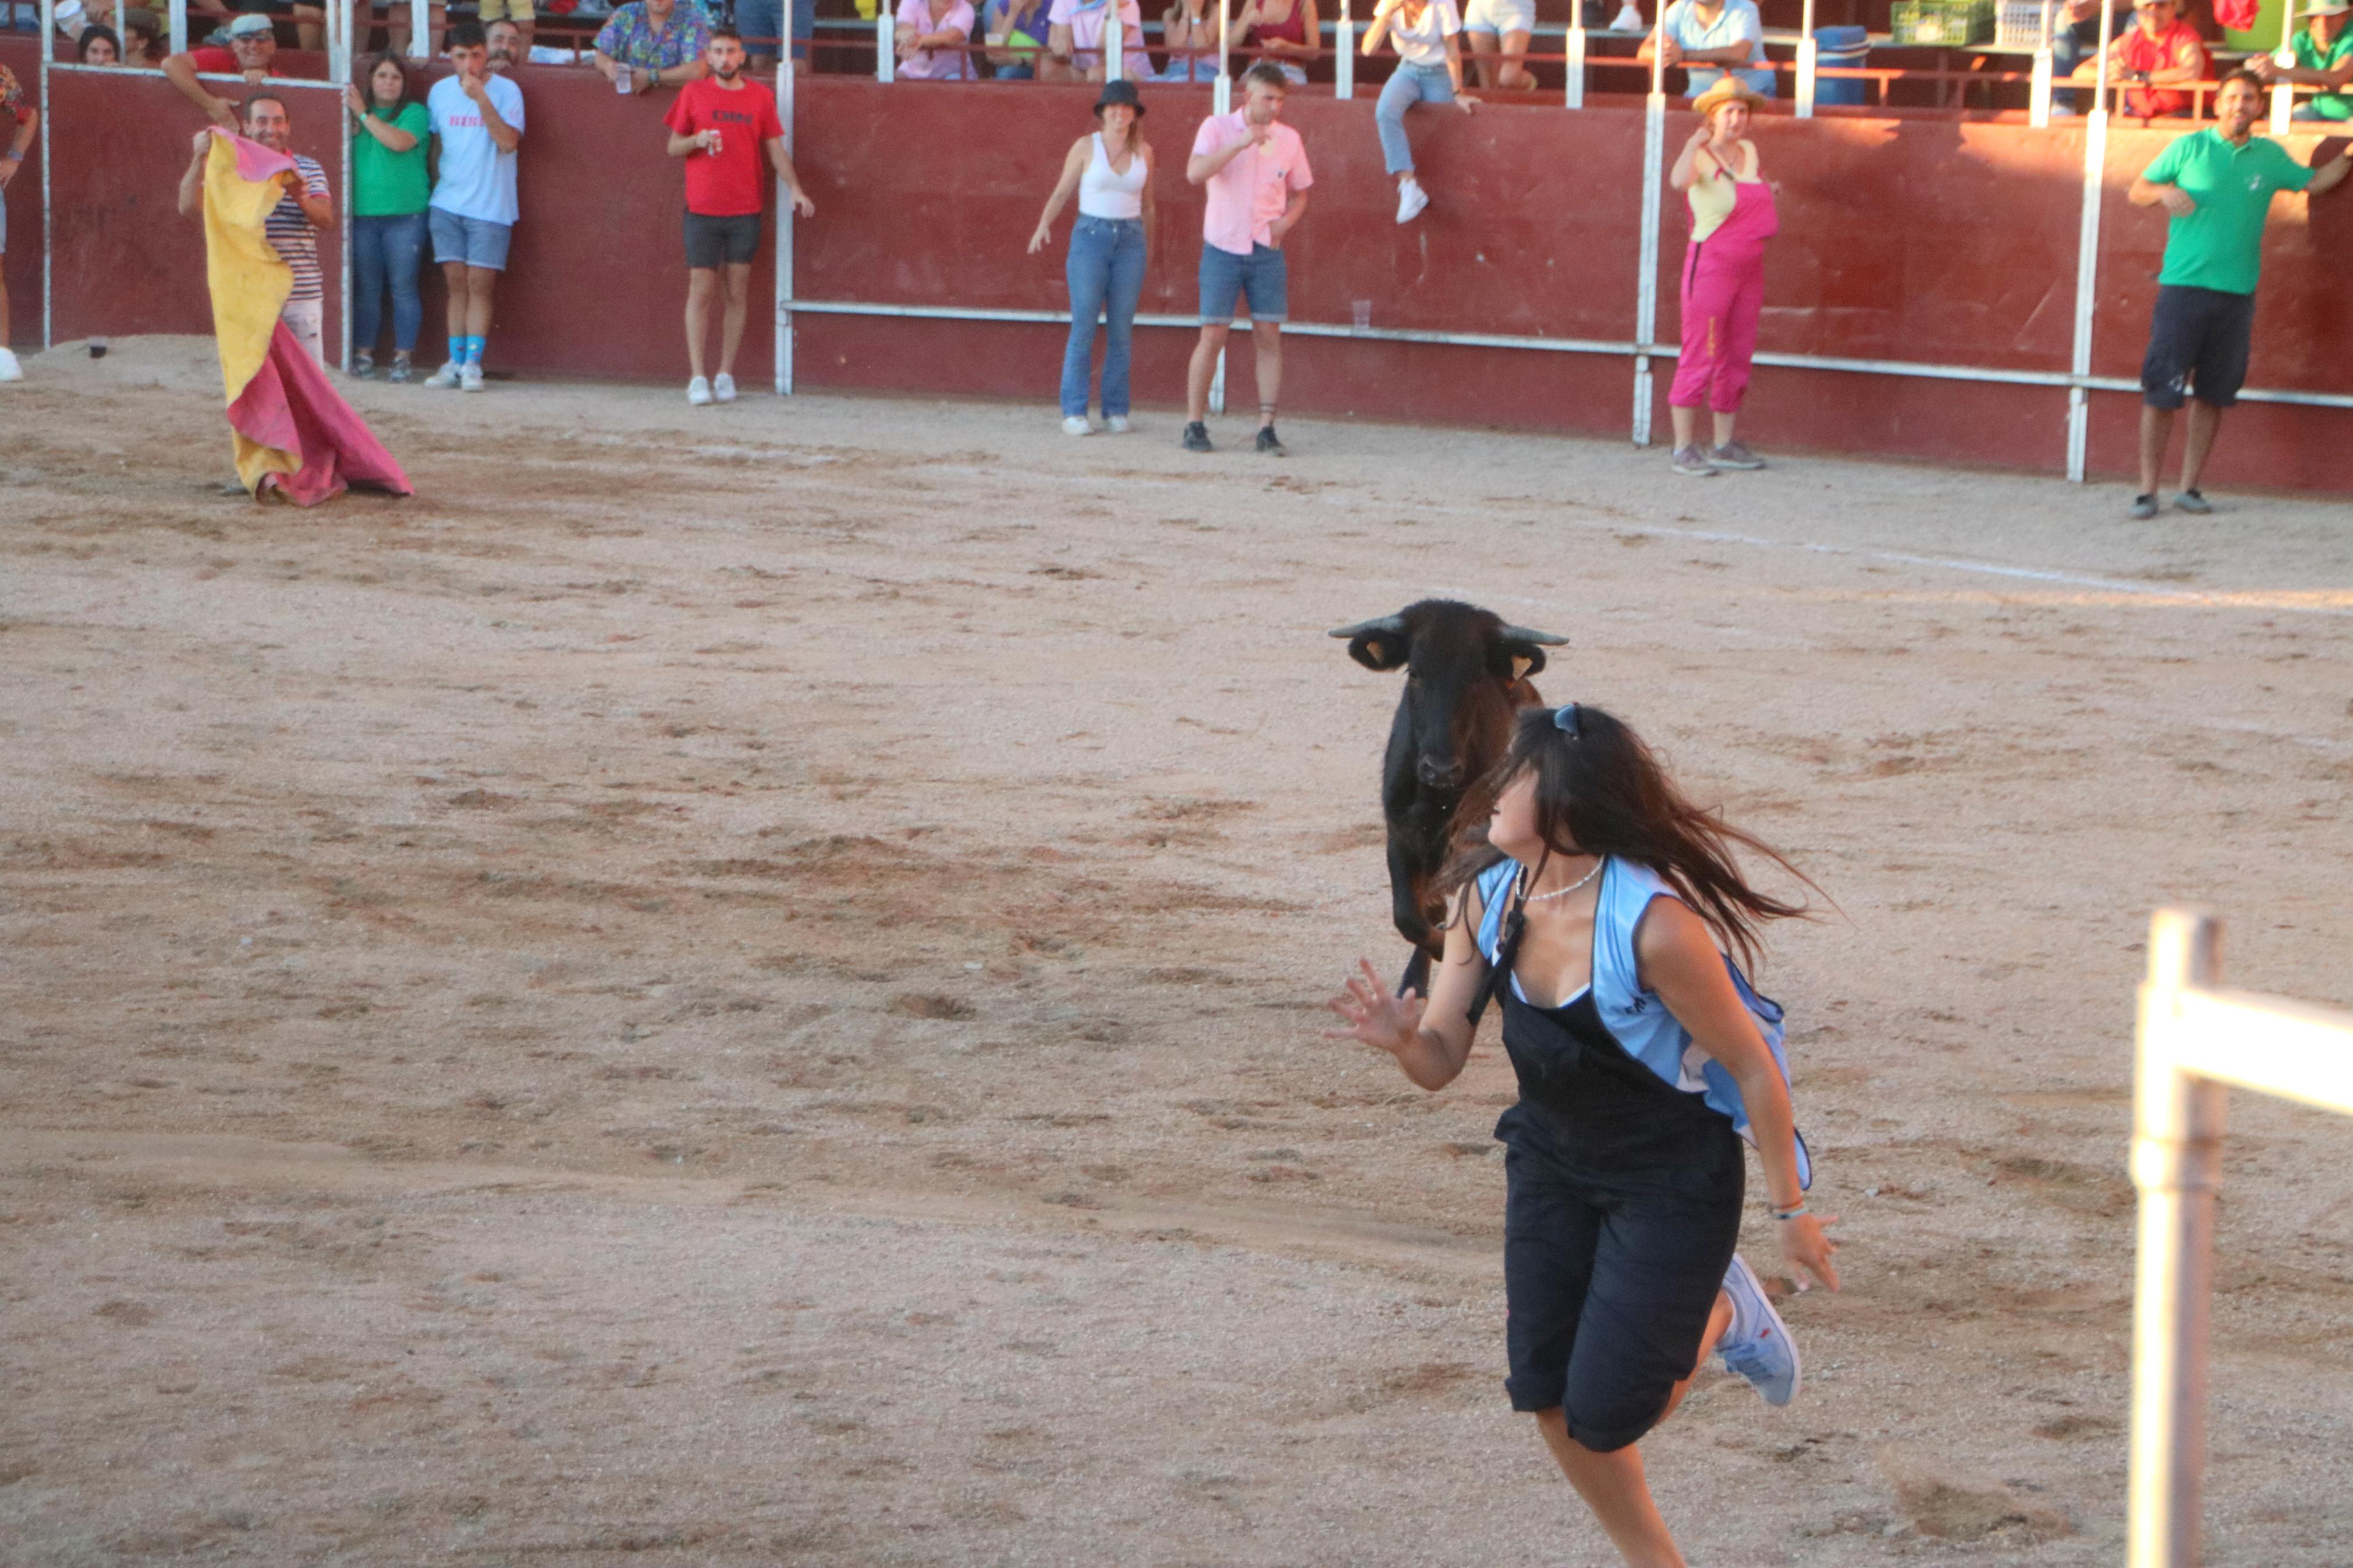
(2324, 57)
(385, 184)
(2219, 243)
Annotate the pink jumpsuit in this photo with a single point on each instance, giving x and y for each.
(1723, 292)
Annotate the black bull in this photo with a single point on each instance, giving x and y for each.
(1466, 677)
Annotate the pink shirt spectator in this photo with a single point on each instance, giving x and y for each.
(1249, 193)
(1085, 22)
(935, 64)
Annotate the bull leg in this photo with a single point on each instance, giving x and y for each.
(1407, 901)
(1415, 978)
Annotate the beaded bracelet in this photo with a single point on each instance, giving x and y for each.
(1792, 1212)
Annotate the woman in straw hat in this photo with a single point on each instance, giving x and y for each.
(1111, 169)
(1723, 276)
(1596, 904)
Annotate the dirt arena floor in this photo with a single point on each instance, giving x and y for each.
(740, 986)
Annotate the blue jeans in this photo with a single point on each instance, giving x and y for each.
(385, 250)
(1410, 85)
(1105, 269)
(765, 19)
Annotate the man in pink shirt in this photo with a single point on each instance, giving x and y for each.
(1256, 170)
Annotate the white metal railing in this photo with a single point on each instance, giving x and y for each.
(2197, 1040)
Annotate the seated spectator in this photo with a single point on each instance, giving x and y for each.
(1074, 39)
(658, 42)
(2075, 37)
(1188, 25)
(1016, 31)
(509, 45)
(932, 35)
(521, 16)
(1705, 37)
(98, 47)
(143, 37)
(1282, 31)
(252, 45)
(310, 21)
(395, 18)
(2159, 47)
(1429, 38)
(2324, 57)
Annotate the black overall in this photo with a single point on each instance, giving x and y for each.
(1621, 1212)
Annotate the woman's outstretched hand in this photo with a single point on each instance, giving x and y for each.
(1376, 1017)
(1808, 1250)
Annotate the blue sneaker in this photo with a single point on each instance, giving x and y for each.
(1757, 1345)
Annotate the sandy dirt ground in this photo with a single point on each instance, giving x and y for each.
(739, 986)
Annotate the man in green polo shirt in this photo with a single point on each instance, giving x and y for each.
(2323, 55)
(2217, 184)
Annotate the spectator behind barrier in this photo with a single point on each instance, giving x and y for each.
(509, 46)
(659, 42)
(1429, 38)
(1705, 37)
(389, 193)
(932, 35)
(2216, 187)
(1285, 31)
(477, 119)
(1188, 25)
(1075, 39)
(2324, 57)
(292, 225)
(24, 123)
(1498, 32)
(98, 47)
(252, 46)
(1111, 169)
(2075, 37)
(763, 24)
(310, 21)
(1016, 31)
(143, 37)
(522, 16)
(2159, 47)
(725, 127)
(394, 17)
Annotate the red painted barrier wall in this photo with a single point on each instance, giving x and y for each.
(1904, 237)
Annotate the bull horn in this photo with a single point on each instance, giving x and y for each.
(1393, 625)
(1523, 633)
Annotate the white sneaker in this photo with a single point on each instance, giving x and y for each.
(1116, 424)
(1411, 199)
(2062, 111)
(723, 387)
(1076, 425)
(469, 378)
(448, 376)
(9, 369)
(1757, 1345)
(697, 391)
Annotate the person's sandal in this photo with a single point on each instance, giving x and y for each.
(1736, 455)
(1692, 463)
(2193, 502)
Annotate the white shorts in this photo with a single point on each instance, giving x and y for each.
(306, 319)
(1500, 16)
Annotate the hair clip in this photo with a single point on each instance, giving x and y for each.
(1567, 721)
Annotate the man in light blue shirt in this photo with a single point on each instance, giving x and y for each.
(1703, 37)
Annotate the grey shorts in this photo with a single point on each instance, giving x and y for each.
(711, 241)
(474, 241)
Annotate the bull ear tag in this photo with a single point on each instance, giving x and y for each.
(1520, 665)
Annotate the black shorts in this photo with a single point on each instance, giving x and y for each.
(711, 241)
(1609, 1278)
(2198, 341)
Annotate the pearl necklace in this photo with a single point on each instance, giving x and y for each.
(1564, 892)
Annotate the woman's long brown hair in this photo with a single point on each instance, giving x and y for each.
(1602, 792)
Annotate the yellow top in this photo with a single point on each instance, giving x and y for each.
(1711, 196)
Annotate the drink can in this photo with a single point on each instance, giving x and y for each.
(714, 140)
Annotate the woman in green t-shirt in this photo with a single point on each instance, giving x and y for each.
(388, 197)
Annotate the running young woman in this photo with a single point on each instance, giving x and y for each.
(1594, 897)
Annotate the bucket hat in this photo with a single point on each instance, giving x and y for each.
(1120, 91)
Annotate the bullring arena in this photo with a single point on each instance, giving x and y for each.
(742, 987)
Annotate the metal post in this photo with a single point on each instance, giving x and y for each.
(1646, 286)
(49, 230)
(179, 20)
(420, 29)
(1221, 101)
(2087, 281)
(2178, 1121)
(886, 41)
(1114, 46)
(1573, 97)
(339, 70)
(1344, 56)
(2284, 92)
(2038, 98)
(784, 290)
(1807, 57)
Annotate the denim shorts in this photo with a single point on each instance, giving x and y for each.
(1263, 278)
(472, 241)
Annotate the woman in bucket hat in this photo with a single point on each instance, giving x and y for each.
(1111, 169)
(1724, 277)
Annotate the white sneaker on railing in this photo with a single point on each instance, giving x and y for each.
(9, 369)
(697, 391)
(1628, 20)
(1411, 199)
(723, 387)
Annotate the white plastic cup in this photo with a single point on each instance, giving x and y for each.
(1362, 313)
(624, 80)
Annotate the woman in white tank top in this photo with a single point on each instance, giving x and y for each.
(1111, 169)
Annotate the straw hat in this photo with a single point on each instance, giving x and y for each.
(1727, 88)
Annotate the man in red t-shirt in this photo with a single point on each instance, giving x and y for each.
(252, 45)
(720, 125)
(2159, 47)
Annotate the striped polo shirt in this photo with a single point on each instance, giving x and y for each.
(296, 240)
